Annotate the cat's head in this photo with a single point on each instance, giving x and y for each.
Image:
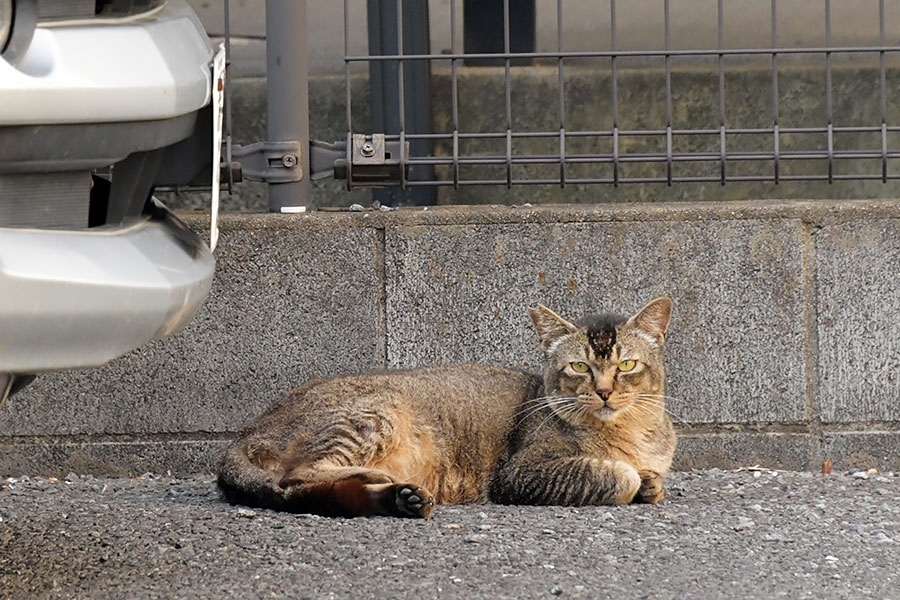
(609, 367)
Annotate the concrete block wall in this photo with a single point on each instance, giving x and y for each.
(783, 348)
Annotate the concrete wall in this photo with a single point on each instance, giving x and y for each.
(783, 348)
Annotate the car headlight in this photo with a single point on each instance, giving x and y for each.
(6, 14)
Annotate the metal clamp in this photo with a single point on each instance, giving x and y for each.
(272, 162)
(370, 162)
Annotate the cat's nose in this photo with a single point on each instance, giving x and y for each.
(605, 394)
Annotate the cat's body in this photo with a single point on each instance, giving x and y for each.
(398, 442)
(442, 429)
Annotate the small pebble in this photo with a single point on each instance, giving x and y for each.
(861, 475)
(246, 513)
(356, 208)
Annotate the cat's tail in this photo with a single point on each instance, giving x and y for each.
(249, 474)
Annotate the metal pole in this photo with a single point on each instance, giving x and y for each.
(287, 70)
(409, 111)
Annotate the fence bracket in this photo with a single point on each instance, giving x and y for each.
(272, 162)
(373, 161)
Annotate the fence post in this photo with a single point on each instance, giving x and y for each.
(385, 90)
(483, 26)
(287, 86)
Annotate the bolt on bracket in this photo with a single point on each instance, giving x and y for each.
(272, 162)
(373, 161)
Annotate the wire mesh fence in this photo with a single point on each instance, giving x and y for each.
(674, 113)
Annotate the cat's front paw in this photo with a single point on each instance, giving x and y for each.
(412, 501)
(651, 490)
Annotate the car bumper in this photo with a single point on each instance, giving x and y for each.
(81, 298)
(150, 68)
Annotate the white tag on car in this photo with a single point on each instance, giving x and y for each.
(218, 102)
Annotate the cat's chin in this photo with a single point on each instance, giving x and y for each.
(604, 413)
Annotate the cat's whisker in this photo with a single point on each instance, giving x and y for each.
(582, 412)
(650, 401)
(658, 399)
(544, 398)
(563, 413)
(642, 409)
(572, 412)
(548, 403)
(649, 404)
(531, 413)
(533, 400)
(662, 396)
(545, 404)
(658, 404)
(546, 419)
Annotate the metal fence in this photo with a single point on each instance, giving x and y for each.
(769, 150)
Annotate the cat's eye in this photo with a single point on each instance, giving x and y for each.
(579, 367)
(627, 365)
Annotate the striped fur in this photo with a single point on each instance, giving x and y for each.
(397, 443)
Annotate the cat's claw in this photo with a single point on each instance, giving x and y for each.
(413, 501)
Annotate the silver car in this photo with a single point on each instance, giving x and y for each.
(100, 101)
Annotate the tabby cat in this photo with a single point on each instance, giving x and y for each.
(593, 431)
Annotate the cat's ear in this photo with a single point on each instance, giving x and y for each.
(550, 326)
(653, 319)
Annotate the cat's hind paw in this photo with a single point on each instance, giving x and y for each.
(651, 491)
(412, 501)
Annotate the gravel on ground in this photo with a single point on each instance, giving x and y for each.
(751, 533)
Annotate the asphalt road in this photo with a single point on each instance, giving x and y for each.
(719, 534)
